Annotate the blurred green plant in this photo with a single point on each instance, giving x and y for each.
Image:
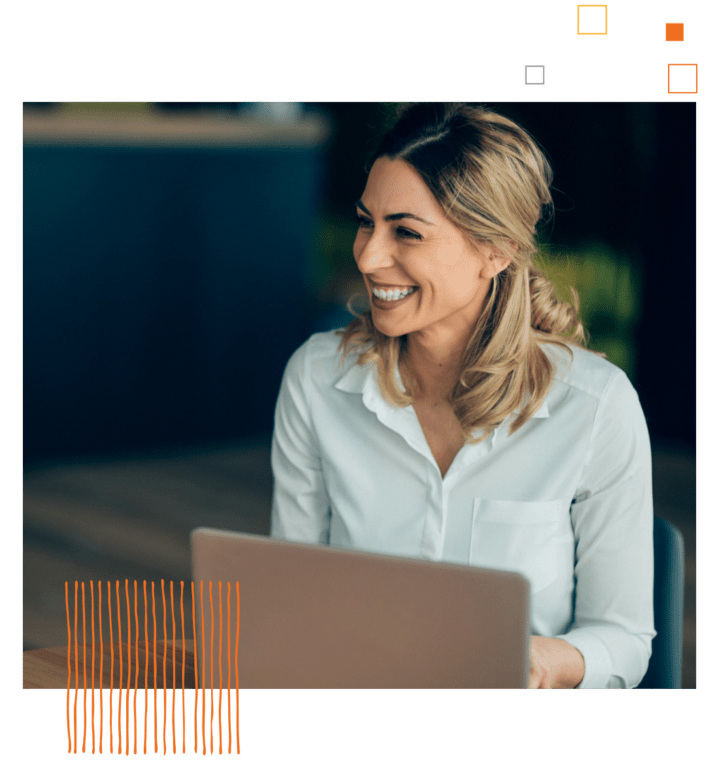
(608, 285)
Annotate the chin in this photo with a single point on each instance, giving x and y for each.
(389, 329)
(392, 334)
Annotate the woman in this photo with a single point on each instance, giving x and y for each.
(461, 418)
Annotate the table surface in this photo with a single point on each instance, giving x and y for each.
(48, 667)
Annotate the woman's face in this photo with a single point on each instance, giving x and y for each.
(407, 248)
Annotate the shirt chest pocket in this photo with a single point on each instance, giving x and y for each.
(516, 536)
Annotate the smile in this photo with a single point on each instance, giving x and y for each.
(391, 302)
(393, 295)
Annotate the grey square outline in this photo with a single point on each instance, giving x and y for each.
(526, 66)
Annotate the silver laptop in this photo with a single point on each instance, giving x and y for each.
(320, 617)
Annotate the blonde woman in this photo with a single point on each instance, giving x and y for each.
(461, 418)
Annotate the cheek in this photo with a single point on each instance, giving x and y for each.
(460, 278)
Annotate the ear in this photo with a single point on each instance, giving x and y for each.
(497, 259)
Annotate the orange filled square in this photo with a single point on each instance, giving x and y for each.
(675, 33)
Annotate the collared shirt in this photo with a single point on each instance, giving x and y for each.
(566, 500)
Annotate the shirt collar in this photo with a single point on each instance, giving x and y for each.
(362, 379)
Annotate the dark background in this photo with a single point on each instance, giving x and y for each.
(165, 288)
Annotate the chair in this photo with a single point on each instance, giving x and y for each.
(665, 665)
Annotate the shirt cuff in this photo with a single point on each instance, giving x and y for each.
(597, 664)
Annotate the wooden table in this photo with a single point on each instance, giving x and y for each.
(48, 667)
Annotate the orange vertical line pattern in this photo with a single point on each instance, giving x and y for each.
(202, 613)
(92, 627)
(119, 658)
(154, 656)
(182, 624)
(172, 610)
(75, 715)
(228, 697)
(137, 667)
(129, 671)
(194, 637)
(69, 667)
(223, 700)
(237, 678)
(226, 687)
(112, 656)
(84, 671)
(147, 658)
(102, 649)
(212, 666)
(229, 675)
(164, 670)
(219, 661)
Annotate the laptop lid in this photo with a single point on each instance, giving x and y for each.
(321, 617)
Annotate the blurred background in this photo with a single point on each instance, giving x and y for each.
(176, 254)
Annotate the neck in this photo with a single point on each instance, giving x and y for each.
(434, 364)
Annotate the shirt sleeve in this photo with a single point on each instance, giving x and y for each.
(300, 505)
(612, 517)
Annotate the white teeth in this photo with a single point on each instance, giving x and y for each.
(393, 295)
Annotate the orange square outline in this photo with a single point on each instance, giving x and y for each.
(669, 66)
(606, 20)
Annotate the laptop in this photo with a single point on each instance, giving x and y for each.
(320, 617)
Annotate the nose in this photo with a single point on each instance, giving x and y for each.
(371, 253)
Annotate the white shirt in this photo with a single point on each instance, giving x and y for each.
(566, 500)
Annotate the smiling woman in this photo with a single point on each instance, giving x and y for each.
(461, 418)
(474, 236)
(449, 277)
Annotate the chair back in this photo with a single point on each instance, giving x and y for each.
(665, 665)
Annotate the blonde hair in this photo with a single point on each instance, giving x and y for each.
(493, 182)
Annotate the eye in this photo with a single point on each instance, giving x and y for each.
(365, 223)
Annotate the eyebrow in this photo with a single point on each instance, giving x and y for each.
(394, 216)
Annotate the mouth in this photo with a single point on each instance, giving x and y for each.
(393, 297)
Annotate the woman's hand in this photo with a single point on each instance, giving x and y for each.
(540, 672)
(555, 664)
